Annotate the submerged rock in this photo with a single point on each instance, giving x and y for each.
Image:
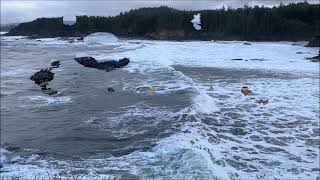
(106, 65)
(314, 59)
(49, 91)
(110, 89)
(55, 64)
(314, 42)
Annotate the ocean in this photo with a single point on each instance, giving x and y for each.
(183, 130)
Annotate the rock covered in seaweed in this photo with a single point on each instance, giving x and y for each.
(106, 65)
(42, 76)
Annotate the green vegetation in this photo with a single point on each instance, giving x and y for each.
(7, 27)
(42, 27)
(291, 22)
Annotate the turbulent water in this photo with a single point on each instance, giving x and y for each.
(182, 131)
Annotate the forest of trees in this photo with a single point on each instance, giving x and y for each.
(286, 22)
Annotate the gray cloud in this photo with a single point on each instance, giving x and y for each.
(21, 11)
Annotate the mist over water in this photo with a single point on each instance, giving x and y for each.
(182, 131)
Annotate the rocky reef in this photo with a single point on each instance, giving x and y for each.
(106, 65)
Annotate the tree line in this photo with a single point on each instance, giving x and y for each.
(295, 21)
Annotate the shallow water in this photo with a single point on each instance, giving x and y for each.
(183, 131)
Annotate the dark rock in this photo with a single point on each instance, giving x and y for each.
(106, 65)
(44, 75)
(43, 85)
(314, 59)
(80, 39)
(314, 42)
(257, 59)
(55, 64)
(246, 43)
(42, 78)
(110, 89)
(49, 91)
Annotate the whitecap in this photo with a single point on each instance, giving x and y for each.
(14, 72)
(101, 38)
(50, 100)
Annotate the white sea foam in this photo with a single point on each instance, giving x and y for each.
(50, 99)
(17, 72)
(275, 56)
(101, 39)
(12, 38)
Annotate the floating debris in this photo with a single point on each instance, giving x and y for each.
(152, 89)
(245, 90)
(262, 101)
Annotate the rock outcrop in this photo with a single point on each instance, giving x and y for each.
(314, 42)
(44, 76)
(106, 65)
(55, 64)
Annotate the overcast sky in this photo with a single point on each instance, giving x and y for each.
(20, 11)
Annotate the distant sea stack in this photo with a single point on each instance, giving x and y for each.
(281, 23)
